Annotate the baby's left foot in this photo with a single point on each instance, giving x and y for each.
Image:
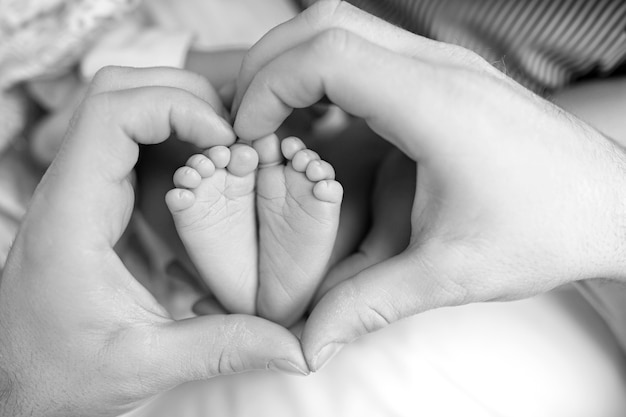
(213, 208)
(298, 206)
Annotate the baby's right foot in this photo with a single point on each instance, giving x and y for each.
(298, 206)
(214, 211)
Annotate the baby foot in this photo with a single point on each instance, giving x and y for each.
(213, 208)
(390, 232)
(298, 206)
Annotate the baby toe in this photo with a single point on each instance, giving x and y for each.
(243, 160)
(268, 149)
(303, 158)
(290, 146)
(187, 177)
(179, 199)
(319, 170)
(219, 155)
(203, 165)
(328, 190)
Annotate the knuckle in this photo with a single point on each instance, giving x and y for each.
(374, 317)
(333, 42)
(462, 56)
(228, 362)
(106, 77)
(453, 274)
(98, 109)
(370, 314)
(324, 14)
(96, 105)
(471, 59)
(105, 73)
(227, 359)
(200, 86)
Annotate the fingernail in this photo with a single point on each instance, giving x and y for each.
(283, 365)
(228, 128)
(326, 354)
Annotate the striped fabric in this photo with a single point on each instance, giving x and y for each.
(544, 44)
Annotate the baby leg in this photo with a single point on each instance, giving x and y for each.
(214, 211)
(298, 206)
(391, 224)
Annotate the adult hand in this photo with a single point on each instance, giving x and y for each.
(513, 197)
(79, 335)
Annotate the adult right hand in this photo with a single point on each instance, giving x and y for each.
(78, 334)
(514, 196)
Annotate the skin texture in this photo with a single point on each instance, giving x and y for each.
(298, 205)
(511, 200)
(213, 209)
(80, 336)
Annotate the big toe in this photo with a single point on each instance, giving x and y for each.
(243, 160)
(268, 149)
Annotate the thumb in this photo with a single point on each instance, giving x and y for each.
(208, 346)
(382, 294)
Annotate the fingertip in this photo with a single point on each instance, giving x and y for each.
(288, 367)
(213, 345)
(252, 122)
(225, 134)
(368, 301)
(325, 355)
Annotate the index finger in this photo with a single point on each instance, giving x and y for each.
(110, 79)
(399, 97)
(322, 16)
